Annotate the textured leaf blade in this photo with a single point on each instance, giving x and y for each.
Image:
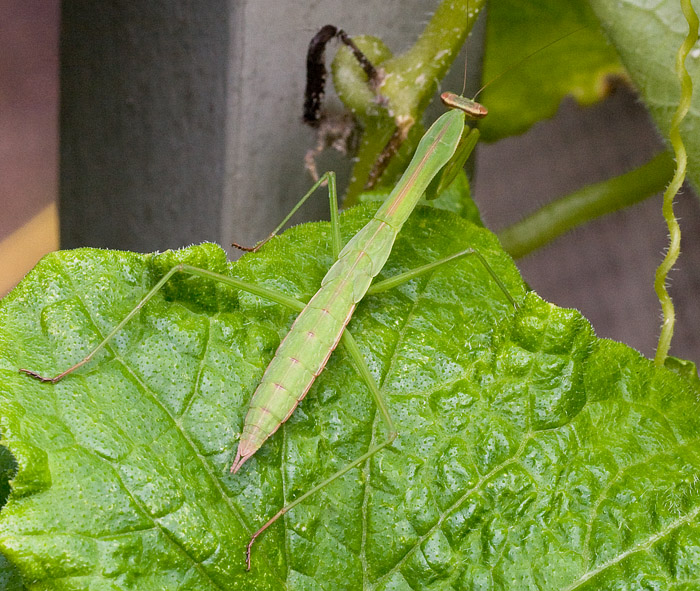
(647, 36)
(530, 456)
(10, 579)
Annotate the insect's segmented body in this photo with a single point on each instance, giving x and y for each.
(317, 330)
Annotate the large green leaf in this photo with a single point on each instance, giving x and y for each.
(531, 455)
(647, 36)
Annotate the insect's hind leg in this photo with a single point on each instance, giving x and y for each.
(272, 295)
(397, 280)
(353, 350)
(351, 347)
(328, 177)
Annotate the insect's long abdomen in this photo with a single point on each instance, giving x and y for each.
(303, 353)
(317, 330)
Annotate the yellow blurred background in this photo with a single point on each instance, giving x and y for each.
(28, 135)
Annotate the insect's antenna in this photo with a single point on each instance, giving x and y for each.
(464, 78)
(466, 59)
(527, 57)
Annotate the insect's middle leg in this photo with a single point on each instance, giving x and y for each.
(401, 278)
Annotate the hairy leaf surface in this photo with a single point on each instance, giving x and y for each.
(530, 456)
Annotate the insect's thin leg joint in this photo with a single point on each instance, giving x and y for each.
(364, 457)
(495, 277)
(155, 289)
(249, 548)
(251, 248)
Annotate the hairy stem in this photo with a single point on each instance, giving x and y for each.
(593, 201)
(669, 316)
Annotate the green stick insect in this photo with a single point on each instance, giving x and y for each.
(321, 323)
(318, 329)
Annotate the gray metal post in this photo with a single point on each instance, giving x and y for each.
(181, 121)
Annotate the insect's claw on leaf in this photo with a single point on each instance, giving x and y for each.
(257, 247)
(247, 554)
(39, 377)
(245, 248)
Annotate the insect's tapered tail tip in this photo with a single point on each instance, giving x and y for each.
(238, 462)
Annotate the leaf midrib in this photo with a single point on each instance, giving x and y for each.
(643, 546)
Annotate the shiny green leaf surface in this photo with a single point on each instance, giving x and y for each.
(530, 455)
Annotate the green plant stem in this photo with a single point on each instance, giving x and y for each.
(409, 84)
(674, 230)
(593, 201)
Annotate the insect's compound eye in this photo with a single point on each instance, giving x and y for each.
(473, 109)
